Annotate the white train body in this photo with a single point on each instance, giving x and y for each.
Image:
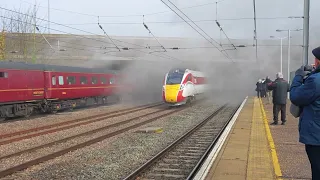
(182, 85)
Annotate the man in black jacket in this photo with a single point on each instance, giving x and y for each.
(268, 81)
(280, 88)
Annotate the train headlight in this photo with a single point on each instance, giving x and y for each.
(181, 87)
(163, 88)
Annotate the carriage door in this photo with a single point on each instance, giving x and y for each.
(51, 84)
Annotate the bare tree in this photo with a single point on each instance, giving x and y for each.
(22, 42)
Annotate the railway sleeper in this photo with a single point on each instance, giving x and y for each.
(183, 157)
(173, 176)
(188, 153)
(161, 169)
(177, 160)
(166, 165)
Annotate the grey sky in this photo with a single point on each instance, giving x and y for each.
(228, 9)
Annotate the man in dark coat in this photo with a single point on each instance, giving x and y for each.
(305, 94)
(259, 88)
(264, 88)
(267, 82)
(280, 88)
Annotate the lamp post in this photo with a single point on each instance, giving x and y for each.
(281, 38)
(289, 44)
(289, 47)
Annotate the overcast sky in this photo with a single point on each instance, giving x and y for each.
(131, 11)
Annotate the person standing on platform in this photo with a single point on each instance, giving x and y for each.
(264, 88)
(268, 82)
(305, 93)
(280, 88)
(259, 87)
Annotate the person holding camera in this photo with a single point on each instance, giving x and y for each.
(305, 94)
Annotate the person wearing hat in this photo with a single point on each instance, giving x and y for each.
(280, 88)
(305, 93)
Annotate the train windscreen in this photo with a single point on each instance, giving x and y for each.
(174, 78)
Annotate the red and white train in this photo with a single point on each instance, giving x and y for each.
(182, 85)
(25, 88)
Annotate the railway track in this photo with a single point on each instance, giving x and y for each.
(47, 129)
(155, 116)
(182, 158)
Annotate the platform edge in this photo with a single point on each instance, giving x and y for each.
(276, 164)
(205, 168)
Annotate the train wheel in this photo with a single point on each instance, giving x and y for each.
(53, 111)
(29, 111)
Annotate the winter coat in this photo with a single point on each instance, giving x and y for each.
(306, 94)
(280, 88)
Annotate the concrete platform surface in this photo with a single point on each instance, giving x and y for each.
(256, 150)
(292, 157)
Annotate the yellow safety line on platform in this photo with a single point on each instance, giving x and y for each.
(275, 161)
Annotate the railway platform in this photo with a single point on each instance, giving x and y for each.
(254, 149)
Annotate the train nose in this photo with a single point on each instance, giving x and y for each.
(171, 93)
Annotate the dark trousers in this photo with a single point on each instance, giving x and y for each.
(259, 93)
(276, 109)
(313, 153)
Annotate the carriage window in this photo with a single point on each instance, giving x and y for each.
(61, 82)
(83, 80)
(94, 80)
(53, 80)
(112, 80)
(3, 75)
(71, 80)
(103, 80)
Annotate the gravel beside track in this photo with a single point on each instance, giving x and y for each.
(116, 157)
(36, 141)
(32, 133)
(178, 161)
(12, 126)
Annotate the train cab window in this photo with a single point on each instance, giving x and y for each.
(71, 80)
(103, 80)
(3, 75)
(61, 82)
(53, 80)
(189, 78)
(83, 80)
(94, 80)
(112, 80)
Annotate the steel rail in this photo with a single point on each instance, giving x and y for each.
(157, 157)
(28, 164)
(205, 155)
(60, 126)
(77, 135)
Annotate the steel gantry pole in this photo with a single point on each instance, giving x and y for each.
(48, 16)
(289, 49)
(281, 55)
(306, 31)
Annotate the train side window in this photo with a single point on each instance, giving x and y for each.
(54, 80)
(71, 80)
(103, 80)
(3, 75)
(94, 80)
(83, 80)
(112, 80)
(61, 82)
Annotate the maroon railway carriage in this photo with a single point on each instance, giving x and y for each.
(25, 88)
